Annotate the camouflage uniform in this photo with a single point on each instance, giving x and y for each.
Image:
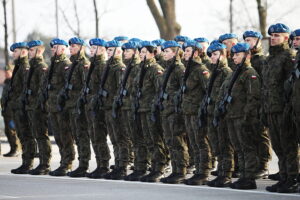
(195, 91)
(295, 101)
(279, 65)
(38, 118)
(61, 129)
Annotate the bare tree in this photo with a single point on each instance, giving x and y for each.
(5, 33)
(56, 18)
(262, 14)
(231, 16)
(13, 21)
(96, 18)
(77, 30)
(166, 22)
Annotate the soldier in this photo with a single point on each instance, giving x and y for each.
(204, 43)
(240, 99)
(67, 100)
(20, 56)
(193, 88)
(229, 40)
(218, 136)
(279, 66)
(61, 130)
(37, 118)
(171, 121)
(96, 120)
(9, 124)
(258, 61)
(159, 55)
(108, 91)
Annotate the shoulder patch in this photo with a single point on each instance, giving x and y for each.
(86, 66)
(159, 72)
(205, 72)
(66, 67)
(253, 77)
(45, 68)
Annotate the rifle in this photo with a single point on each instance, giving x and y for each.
(64, 94)
(123, 91)
(48, 85)
(227, 98)
(136, 104)
(102, 92)
(178, 97)
(202, 114)
(27, 91)
(163, 95)
(86, 89)
(6, 99)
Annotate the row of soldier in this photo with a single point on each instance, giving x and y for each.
(161, 103)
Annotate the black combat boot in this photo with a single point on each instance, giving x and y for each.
(274, 188)
(79, 172)
(135, 175)
(61, 171)
(244, 184)
(190, 169)
(197, 179)
(23, 169)
(223, 181)
(152, 177)
(40, 170)
(214, 173)
(262, 173)
(290, 186)
(120, 173)
(275, 177)
(11, 153)
(99, 172)
(174, 178)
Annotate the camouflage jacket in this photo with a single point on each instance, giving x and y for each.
(258, 61)
(295, 99)
(223, 73)
(195, 88)
(77, 79)
(173, 86)
(4, 95)
(206, 61)
(61, 64)
(150, 85)
(112, 83)
(36, 82)
(279, 65)
(245, 94)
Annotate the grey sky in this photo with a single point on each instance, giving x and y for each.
(208, 18)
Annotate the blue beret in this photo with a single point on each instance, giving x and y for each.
(18, 45)
(278, 28)
(131, 45)
(158, 42)
(240, 47)
(57, 41)
(35, 43)
(192, 43)
(135, 40)
(147, 44)
(97, 42)
(215, 47)
(201, 39)
(76, 40)
(227, 36)
(120, 38)
(180, 38)
(214, 41)
(252, 34)
(113, 43)
(295, 33)
(170, 43)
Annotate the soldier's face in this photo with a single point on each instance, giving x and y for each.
(74, 48)
(238, 57)
(143, 53)
(158, 49)
(16, 53)
(94, 50)
(128, 53)
(251, 41)
(188, 53)
(32, 52)
(168, 54)
(277, 39)
(58, 49)
(215, 56)
(296, 42)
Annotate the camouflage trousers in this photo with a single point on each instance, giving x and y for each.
(98, 134)
(284, 144)
(118, 138)
(25, 135)
(296, 120)
(10, 132)
(221, 147)
(174, 136)
(241, 136)
(152, 133)
(38, 123)
(63, 137)
(199, 143)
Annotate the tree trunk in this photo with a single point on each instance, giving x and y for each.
(262, 14)
(5, 34)
(56, 18)
(166, 22)
(231, 16)
(96, 18)
(13, 21)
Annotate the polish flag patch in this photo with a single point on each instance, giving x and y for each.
(253, 77)
(159, 72)
(45, 68)
(86, 66)
(66, 67)
(205, 72)
(123, 68)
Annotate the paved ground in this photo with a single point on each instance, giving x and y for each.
(47, 187)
